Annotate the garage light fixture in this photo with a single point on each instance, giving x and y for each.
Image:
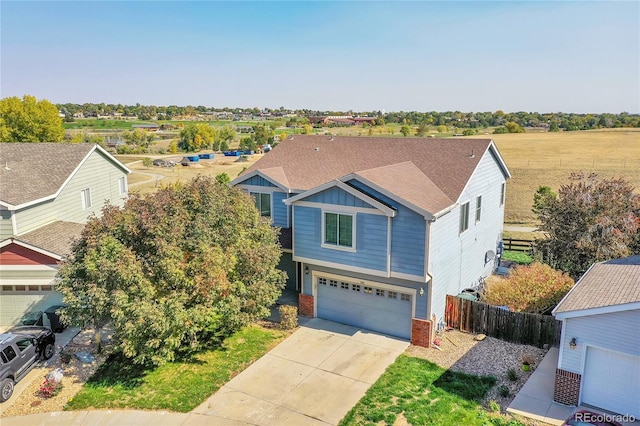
(421, 291)
(573, 343)
(306, 270)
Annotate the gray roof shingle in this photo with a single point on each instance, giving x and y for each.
(56, 237)
(430, 173)
(31, 171)
(614, 282)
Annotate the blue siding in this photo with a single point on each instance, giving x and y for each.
(371, 240)
(407, 235)
(257, 180)
(337, 196)
(279, 209)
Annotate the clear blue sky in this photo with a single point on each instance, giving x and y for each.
(468, 56)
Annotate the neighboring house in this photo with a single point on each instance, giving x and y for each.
(377, 231)
(599, 358)
(148, 127)
(47, 193)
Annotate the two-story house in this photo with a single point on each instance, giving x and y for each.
(47, 193)
(377, 231)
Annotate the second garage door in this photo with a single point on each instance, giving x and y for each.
(376, 307)
(610, 382)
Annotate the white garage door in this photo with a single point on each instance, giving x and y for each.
(15, 300)
(377, 307)
(611, 381)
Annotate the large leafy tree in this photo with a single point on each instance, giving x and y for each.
(175, 270)
(590, 219)
(195, 137)
(29, 120)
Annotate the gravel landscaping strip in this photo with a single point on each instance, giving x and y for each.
(489, 357)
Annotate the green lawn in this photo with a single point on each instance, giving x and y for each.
(425, 394)
(177, 386)
(519, 257)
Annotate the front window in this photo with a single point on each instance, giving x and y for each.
(263, 203)
(338, 229)
(464, 217)
(122, 185)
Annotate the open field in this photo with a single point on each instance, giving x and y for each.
(538, 159)
(534, 159)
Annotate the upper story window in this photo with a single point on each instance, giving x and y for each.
(85, 195)
(263, 203)
(478, 208)
(338, 230)
(502, 190)
(122, 185)
(464, 217)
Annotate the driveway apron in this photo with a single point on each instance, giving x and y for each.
(314, 377)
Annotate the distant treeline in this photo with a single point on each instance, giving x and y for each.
(553, 121)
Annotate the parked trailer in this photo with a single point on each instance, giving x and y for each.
(206, 156)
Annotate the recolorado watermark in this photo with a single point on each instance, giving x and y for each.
(600, 418)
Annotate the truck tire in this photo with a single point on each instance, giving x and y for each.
(6, 389)
(48, 351)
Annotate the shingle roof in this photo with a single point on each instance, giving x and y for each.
(31, 171)
(614, 282)
(409, 167)
(55, 237)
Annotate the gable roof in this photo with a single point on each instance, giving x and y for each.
(446, 164)
(605, 285)
(33, 172)
(56, 237)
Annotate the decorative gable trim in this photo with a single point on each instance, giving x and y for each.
(240, 179)
(10, 241)
(388, 211)
(80, 164)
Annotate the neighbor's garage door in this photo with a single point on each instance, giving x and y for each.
(15, 300)
(612, 381)
(368, 306)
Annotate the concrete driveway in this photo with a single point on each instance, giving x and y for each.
(314, 377)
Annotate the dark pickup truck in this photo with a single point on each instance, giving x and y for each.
(20, 350)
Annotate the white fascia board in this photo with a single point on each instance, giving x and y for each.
(410, 206)
(388, 211)
(240, 179)
(598, 311)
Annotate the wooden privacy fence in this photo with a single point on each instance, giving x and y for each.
(517, 245)
(517, 327)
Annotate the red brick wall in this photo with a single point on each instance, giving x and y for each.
(567, 388)
(305, 307)
(421, 332)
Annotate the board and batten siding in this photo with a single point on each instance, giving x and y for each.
(339, 197)
(457, 261)
(616, 331)
(407, 235)
(257, 181)
(6, 227)
(279, 217)
(370, 240)
(97, 173)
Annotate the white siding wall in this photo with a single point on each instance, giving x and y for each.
(97, 173)
(456, 261)
(6, 228)
(616, 331)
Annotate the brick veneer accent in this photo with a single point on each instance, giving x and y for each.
(421, 332)
(305, 305)
(567, 387)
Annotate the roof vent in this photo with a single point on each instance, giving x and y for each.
(330, 137)
(6, 165)
(472, 154)
(316, 149)
(290, 137)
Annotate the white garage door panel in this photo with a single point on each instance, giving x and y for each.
(14, 305)
(373, 310)
(611, 381)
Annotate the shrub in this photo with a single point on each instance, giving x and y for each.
(494, 406)
(512, 374)
(288, 317)
(535, 288)
(503, 391)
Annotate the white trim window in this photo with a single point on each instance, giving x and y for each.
(464, 217)
(122, 185)
(338, 230)
(85, 195)
(502, 192)
(263, 202)
(478, 208)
